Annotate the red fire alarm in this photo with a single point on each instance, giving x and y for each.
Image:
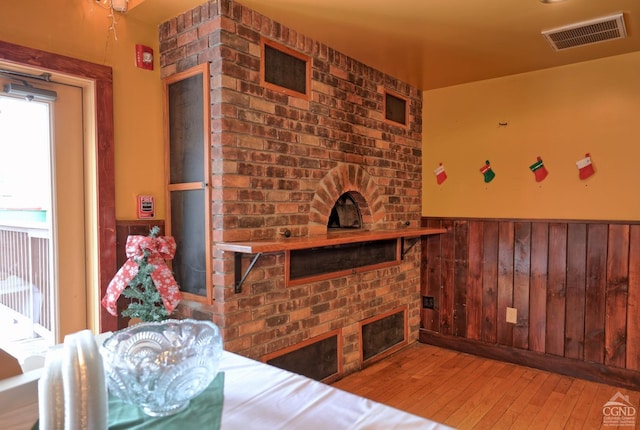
(144, 57)
(146, 207)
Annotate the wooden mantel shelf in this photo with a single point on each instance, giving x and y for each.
(293, 243)
(260, 247)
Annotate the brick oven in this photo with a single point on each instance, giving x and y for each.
(279, 165)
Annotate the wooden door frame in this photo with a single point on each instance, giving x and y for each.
(102, 78)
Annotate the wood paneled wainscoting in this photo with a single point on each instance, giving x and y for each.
(575, 286)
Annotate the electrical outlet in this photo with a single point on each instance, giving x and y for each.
(512, 315)
(428, 302)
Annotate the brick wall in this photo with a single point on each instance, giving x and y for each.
(279, 162)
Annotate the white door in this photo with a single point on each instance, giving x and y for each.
(42, 167)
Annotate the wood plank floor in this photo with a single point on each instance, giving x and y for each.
(468, 392)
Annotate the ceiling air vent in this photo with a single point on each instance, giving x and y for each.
(587, 32)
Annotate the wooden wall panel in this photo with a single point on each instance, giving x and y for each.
(596, 279)
(616, 295)
(556, 289)
(575, 285)
(490, 237)
(538, 286)
(430, 271)
(576, 272)
(505, 281)
(448, 281)
(474, 287)
(521, 275)
(461, 275)
(633, 307)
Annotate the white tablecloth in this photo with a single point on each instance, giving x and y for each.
(259, 396)
(256, 396)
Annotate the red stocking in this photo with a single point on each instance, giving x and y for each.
(585, 167)
(539, 170)
(441, 175)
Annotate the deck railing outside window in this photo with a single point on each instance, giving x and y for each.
(25, 280)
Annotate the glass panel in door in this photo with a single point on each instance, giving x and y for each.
(42, 244)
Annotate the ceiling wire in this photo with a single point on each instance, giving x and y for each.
(108, 6)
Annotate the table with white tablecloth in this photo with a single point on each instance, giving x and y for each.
(259, 396)
(255, 396)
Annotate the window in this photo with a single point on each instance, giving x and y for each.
(285, 70)
(187, 169)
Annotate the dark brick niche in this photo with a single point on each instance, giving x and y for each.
(317, 359)
(331, 261)
(383, 334)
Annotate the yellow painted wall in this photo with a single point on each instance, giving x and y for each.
(81, 29)
(559, 114)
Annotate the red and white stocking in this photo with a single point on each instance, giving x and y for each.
(441, 175)
(585, 167)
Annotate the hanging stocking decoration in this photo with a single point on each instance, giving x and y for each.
(487, 172)
(585, 167)
(441, 175)
(539, 170)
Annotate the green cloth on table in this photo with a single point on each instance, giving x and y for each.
(204, 412)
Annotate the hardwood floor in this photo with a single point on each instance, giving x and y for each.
(469, 392)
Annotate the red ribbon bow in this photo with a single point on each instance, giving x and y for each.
(160, 249)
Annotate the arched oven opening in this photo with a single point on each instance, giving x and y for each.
(345, 213)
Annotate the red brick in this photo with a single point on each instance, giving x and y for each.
(315, 145)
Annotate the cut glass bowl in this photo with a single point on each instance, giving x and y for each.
(161, 366)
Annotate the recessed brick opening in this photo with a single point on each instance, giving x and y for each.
(345, 214)
(383, 334)
(317, 358)
(359, 187)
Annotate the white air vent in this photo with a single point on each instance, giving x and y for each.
(587, 32)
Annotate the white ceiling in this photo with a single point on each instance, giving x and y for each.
(438, 43)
